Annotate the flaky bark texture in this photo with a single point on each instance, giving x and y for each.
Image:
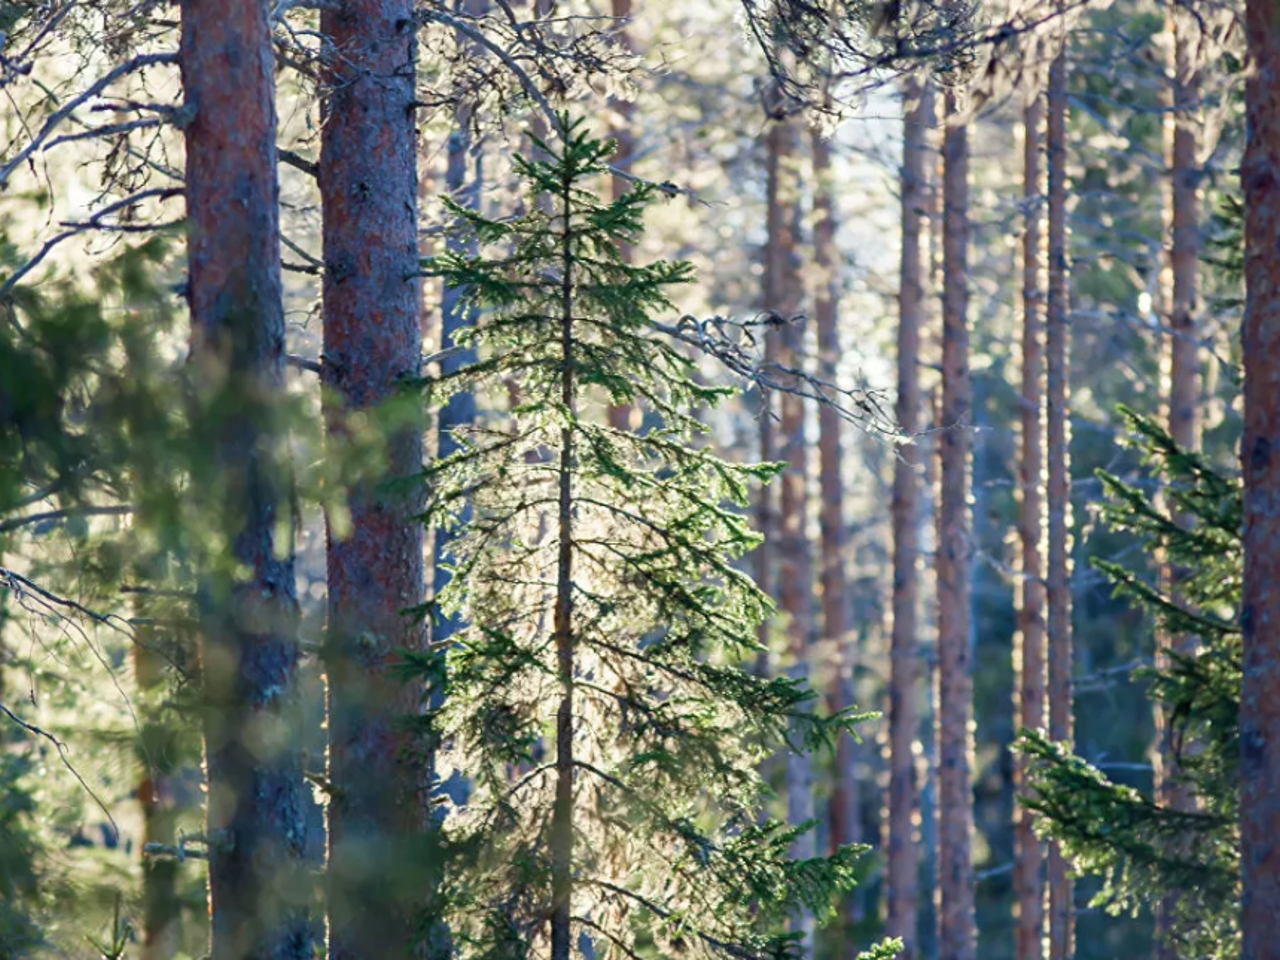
(957, 934)
(843, 816)
(1184, 379)
(249, 649)
(1028, 883)
(372, 339)
(902, 864)
(1058, 491)
(1260, 456)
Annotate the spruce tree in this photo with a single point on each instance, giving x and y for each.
(595, 698)
(1138, 847)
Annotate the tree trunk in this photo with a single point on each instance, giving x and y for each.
(766, 514)
(372, 339)
(249, 648)
(843, 817)
(795, 563)
(463, 180)
(1028, 882)
(957, 936)
(622, 117)
(562, 816)
(161, 906)
(1260, 456)
(1058, 493)
(1184, 381)
(902, 869)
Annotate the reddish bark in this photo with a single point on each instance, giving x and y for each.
(784, 292)
(1058, 491)
(957, 934)
(1260, 457)
(843, 816)
(1028, 883)
(1184, 381)
(902, 869)
(372, 338)
(249, 649)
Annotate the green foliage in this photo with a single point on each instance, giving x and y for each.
(670, 857)
(1139, 848)
(19, 848)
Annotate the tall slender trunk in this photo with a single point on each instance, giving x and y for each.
(957, 937)
(463, 182)
(562, 815)
(784, 292)
(372, 338)
(1028, 882)
(1259, 446)
(623, 116)
(902, 867)
(843, 817)
(249, 648)
(161, 904)
(766, 512)
(1058, 491)
(1183, 386)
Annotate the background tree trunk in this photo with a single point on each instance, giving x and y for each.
(622, 117)
(464, 175)
(902, 881)
(372, 339)
(1184, 379)
(843, 814)
(1260, 456)
(161, 905)
(1061, 911)
(249, 649)
(957, 936)
(1028, 882)
(795, 563)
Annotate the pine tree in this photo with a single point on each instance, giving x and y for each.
(248, 624)
(368, 182)
(1260, 343)
(596, 696)
(1143, 847)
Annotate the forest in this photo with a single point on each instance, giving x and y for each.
(639, 480)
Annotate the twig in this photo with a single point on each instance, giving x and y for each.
(15, 522)
(303, 363)
(62, 755)
(298, 162)
(161, 193)
(58, 116)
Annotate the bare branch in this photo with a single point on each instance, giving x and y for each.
(159, 193)
(63, 755)
(737, 345)
(15, 523)
(75, 103)
(298, 162)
